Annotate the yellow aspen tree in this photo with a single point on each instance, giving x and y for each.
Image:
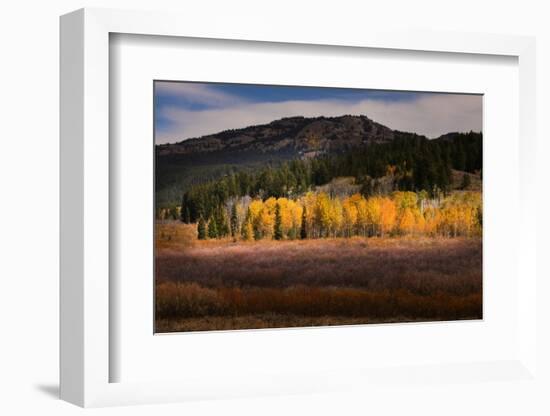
(335, 215)
(286, 214)
(374, 214)
(450, 220)
(266, 223)
(404, 200)
(269, 205)
(349, 217)
(388, 215)
(309, 202)
(432, 220)
(419, 222)
(356, 198)
(362, 222)
(406, 221)
(467, 219)
(295, 210)
(247, 231)
(322, 214)
(255, 207)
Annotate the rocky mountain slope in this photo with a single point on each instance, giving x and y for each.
(296, 135)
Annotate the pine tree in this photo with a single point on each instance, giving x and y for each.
(212, 228)
(366, 187)
(257, 232)
(234, 220)
(466, 181)
(187, 216)
(174, 213)
(303, 231)
(460, 158)
(292, 233)
(222, 227)
(201, 229)
(278, 228)
(479, 216)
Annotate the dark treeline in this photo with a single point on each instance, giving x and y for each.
(413, 162)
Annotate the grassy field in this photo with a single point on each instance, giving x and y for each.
(226, 284)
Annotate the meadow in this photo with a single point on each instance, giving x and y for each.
(229, 283)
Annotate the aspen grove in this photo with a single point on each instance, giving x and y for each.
(318, 215)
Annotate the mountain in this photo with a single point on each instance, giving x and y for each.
(299, 136)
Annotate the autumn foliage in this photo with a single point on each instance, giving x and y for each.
(317, 215)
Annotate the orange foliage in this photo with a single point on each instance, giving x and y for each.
(401, 213)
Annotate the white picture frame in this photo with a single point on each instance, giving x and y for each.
(85, 353)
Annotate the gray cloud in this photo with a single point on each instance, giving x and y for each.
(196, 93)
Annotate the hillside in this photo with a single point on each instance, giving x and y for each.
(189, 162)
(294, 135)
(183, 165)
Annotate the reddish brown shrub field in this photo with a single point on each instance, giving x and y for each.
(221, 284)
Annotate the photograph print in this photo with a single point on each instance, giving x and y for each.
(292, 206)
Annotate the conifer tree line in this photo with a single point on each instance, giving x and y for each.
(413, 162)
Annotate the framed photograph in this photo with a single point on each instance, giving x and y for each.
(273, 214)
(287, 206)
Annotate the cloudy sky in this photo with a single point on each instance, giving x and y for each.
(184, 110)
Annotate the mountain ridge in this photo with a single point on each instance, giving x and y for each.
(299, 135)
